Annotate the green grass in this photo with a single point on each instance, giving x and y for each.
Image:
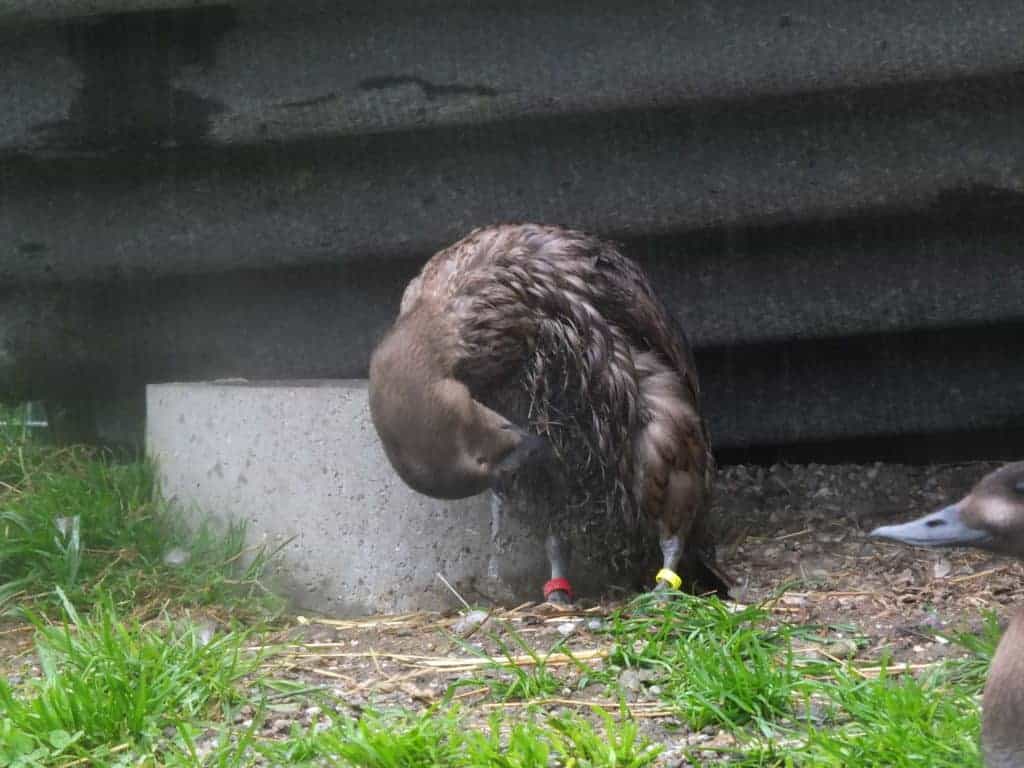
(896, 722)
(439, 739)
(714, 665)
(971, 671)
(79, 519)
(83, 541)
(115, 692)
(509, 681)
(736, 670)
(107, 682)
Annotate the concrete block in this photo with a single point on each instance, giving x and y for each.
(302, 459)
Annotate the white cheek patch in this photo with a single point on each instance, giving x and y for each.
(996, 511)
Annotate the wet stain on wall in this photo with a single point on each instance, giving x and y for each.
(127, 99)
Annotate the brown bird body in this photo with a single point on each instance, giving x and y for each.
(990, 517)
(537, 361)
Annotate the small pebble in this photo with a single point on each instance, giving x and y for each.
(842, 648)
(470, 622)
(176, 556)
(595, 624)
(567, 628)
(630, 680)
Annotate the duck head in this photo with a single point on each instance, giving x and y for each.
(440, 441)
(990, 517)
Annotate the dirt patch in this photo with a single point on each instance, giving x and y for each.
(17, 660)
(806, 526)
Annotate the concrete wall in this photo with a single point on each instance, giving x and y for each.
(829, 196)
(299, 462)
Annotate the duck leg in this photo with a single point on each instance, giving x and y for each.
(671, 552)
(557, 589)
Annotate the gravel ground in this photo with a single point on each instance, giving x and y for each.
(807, 525)
(800, 525)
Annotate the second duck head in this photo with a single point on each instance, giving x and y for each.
(989, 517)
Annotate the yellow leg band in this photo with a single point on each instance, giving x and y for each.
(669, 577)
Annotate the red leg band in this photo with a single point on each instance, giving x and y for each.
(557, 585)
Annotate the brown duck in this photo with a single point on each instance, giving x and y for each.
(537, 362)
(990, 517)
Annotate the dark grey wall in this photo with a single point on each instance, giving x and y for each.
(830, 198)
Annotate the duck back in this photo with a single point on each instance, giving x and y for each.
(563, 336)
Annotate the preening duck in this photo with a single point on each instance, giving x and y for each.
(537, 362)
(990, 517)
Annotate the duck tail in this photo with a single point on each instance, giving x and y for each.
(701, 568)
(706, 575)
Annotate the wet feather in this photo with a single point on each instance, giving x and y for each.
(563, 336)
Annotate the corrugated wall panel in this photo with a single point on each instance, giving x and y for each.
(830, 198)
